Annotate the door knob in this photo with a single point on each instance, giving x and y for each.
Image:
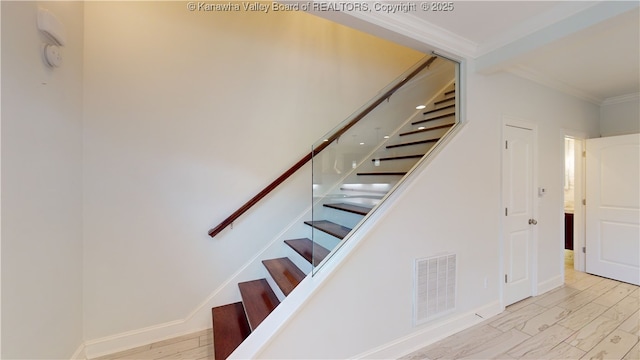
(533, 222)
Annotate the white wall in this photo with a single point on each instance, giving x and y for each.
(620, 117)
(553, 112)
(41, 187)
(453, 206)
(188, 115)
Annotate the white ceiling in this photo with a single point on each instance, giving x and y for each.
(590, 49)
(603, 60)
(483, 21)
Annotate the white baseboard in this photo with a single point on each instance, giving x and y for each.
(550, 284)
(199, 319)
(431, 333)
(133, 339)
(79, 353)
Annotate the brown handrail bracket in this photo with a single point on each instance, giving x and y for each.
(229, 220)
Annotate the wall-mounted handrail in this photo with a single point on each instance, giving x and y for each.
(229, 220)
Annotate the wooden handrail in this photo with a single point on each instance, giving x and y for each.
(229, 220)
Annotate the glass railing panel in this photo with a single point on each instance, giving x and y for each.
(359, 161)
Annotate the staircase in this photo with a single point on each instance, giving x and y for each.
(232, 323)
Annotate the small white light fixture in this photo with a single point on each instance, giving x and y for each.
(420, 107)
(52, 55)
(421, 128)
(386, 136)
(354, 164)
(54, 31)
(361, 143)
(376, 162)
(325, 140)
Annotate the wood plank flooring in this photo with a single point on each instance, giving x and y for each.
(196, 346)
(588, 318)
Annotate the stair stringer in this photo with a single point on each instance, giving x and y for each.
(302, 297)
(227, 292)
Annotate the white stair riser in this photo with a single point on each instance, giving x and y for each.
(341, 217)
(325, 240)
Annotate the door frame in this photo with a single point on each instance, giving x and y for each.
(579, 216)
(513, 121)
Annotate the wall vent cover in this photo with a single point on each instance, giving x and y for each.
(434, 288)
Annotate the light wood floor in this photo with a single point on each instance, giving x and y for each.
(588, 318)
(195, 346)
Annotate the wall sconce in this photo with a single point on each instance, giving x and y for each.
(52, 28)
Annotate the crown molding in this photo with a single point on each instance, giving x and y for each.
(558, 13)
(415, 28)
(538, 77)
(510, 54)
(503, 52)
(633, 97)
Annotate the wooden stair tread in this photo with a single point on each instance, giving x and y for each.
(444, 100)
(417, 156)
(230, 328)
(259, 300)
(449, 92)
(330, 228)
(413, 143)
(383, 173)
(356, 209)
(438, 109)
(433, 118)
(309, 250)
(285, 273)
(426, 129)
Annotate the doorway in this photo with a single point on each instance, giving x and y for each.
(574, 195)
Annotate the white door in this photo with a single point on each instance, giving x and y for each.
(518, 175)
(613, 207)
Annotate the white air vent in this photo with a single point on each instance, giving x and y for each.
(435, 287)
